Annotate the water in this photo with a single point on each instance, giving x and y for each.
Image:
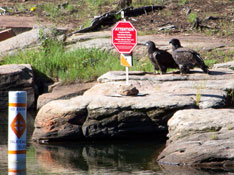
(94, 157)
(109, 157)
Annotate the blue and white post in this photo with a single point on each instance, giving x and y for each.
(17, 124)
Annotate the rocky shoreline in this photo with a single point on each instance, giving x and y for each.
(165, 102)
(195, 109)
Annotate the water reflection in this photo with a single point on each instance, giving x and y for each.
(100, 157)
(188, 170)
(119, 157)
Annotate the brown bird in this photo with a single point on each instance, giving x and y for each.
(186, 58)
(160, 59)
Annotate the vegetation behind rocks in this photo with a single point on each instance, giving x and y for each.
(214, 18)
(80, 65)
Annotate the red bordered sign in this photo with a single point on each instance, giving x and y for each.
(124, 37)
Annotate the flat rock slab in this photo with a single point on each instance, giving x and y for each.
(208, 91)
(19, 42)
(194, 75)
(200, 138)
(24, 40)
(229, 65)
(63, 92)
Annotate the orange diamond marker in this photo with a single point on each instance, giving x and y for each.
(124, 61)
(18, 125)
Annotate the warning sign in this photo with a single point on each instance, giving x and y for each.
(124, 37)
(18, 125)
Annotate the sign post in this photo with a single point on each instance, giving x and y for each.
(17, 110)
(124, 39)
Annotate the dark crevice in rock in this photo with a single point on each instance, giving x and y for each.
(79, 117)
(215, 165)
(217, 161)
(230, 98)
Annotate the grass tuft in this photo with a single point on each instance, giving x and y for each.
(192, 17)
(182, 2)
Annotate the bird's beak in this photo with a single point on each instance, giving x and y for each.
(141, 44)
(146, 44)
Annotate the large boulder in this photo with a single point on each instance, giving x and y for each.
(200, 138)
(61, 119)
(15, 77)
(106, 116)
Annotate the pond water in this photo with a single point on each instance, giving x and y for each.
(86, 157)
(93, 157)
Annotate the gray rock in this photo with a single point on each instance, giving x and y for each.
(195, 75)
(106, 116)
(127, 116)
(200, 138)
(16, 78)
(128, 90)
(59, 92)
(209, 91)
(169, 27)
(229, 65)
(19, 42)
(61, 120)
(24, 40)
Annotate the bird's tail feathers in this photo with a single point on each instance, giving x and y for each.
(202, 64)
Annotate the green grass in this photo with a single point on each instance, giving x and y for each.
(69, 67)
(148, 2)
(58, 64)
(182, 2)
(55, 63)
(217, 56)
(192, 17)
(211, 62)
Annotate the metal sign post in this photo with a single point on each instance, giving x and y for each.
(127, 77)
(126, 60)
(17, 122)
(124, 39)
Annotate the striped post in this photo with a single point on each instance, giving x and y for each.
(17, 122)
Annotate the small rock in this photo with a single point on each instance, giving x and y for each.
(229, 65)
(61, 37)
(128, 90)
(188, 11)
(211, 18)
(170, 27)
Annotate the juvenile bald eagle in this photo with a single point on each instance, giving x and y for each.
(186, 58)
(160, 59)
